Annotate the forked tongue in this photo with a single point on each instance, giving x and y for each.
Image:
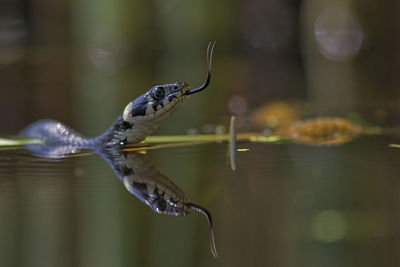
(210, 50)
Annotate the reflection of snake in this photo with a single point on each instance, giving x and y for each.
(139, 119)
(143, 180)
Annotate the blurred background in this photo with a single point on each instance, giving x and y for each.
(81, 62)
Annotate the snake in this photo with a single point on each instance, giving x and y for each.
(139, 119)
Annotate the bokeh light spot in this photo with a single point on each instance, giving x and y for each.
(237, 105)
(109, 52)
(329, 226)
(338, 33)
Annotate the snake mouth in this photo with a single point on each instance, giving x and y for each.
(210, 50)
(183, 87)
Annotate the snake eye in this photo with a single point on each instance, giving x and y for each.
(175, 87)
(160, 204)
(158, 93)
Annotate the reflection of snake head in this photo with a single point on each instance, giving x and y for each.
(161, 198)
(162, 195)
(168, 202)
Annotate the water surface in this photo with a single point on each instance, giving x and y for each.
(285, 205)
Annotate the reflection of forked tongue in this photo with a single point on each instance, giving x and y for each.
(209, 219)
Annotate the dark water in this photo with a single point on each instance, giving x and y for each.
(285, 205)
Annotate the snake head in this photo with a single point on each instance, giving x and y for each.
(161, 100)
(142, 116)
(166, 91)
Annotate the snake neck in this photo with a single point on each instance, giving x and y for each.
(122, 132)
(117, 134)
(131, 127)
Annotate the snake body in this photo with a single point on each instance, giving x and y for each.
(140, 118)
